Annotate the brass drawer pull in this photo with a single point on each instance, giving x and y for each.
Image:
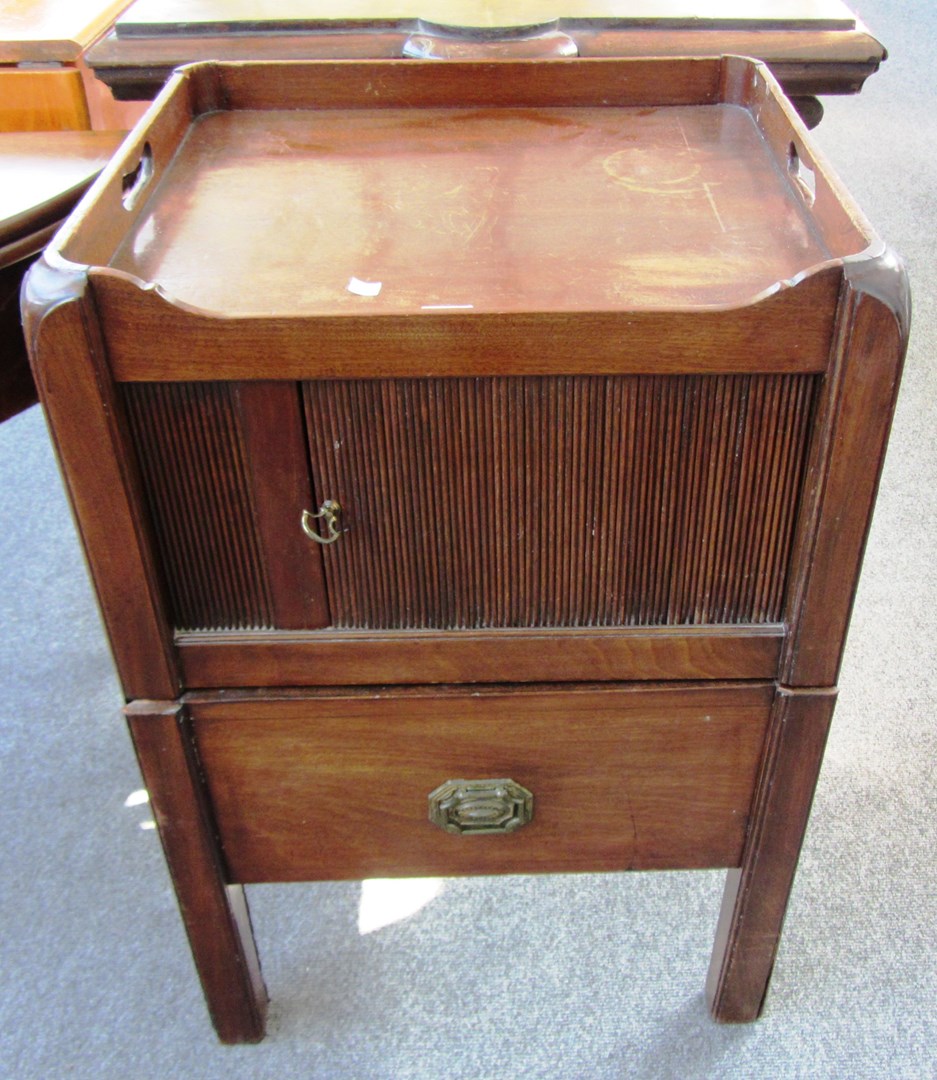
(478, 807)
(330, 511)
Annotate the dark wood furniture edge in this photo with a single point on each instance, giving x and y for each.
(855, 409)
(85, 417)
(757, 893)
(218, 702)
(321, 658)
(215, 913)
(831, 62)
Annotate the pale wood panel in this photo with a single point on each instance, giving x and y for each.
(42, 101)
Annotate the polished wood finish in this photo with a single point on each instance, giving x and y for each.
(756, 893)
(44, 83)
(336, 785)
(43, 177)
(856, 406)
(281, 488)
(595, 529)
(697, 535)
(42, 101)
(789, 331)
(214, 912)
(406, 656)
(223, 474)
(53, 30)
(192, 461)
(405, 214)
(90, 436)
(812, 47)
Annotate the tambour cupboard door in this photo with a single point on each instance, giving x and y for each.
(559, 501)
(472, 503)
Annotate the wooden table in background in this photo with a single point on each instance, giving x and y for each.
(44, 83)
(812, 46)
(44, 176)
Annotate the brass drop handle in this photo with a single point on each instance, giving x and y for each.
(479, 807)
(330, 512)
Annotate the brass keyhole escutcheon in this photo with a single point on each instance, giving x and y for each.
(330, 512)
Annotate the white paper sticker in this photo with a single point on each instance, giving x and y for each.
(364, 288)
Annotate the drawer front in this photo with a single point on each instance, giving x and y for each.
(333, 786)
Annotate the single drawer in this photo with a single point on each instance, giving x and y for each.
(338, 785)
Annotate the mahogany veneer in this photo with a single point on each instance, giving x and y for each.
(586, 369)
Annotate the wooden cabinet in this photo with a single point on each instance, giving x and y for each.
(478, 448)
(45, 84)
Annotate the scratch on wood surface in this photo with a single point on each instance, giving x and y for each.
(712, 203)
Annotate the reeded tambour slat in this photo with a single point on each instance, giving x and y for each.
(190, 450)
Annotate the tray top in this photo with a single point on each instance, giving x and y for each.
(399, 211)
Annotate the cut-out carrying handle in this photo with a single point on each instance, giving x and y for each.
(136, 181)
(805, 178)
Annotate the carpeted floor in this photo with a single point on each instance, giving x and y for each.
(585, 977)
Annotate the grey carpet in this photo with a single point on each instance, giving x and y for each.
(593, 976)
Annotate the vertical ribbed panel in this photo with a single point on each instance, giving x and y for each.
(191, 459)
(560, 501)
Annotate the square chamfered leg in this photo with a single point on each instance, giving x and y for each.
(214, 912)
(757, 892)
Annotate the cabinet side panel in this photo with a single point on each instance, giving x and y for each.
(88, 427)
(855, 407)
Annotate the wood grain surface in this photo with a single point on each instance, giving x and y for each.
(327, 658)
(214, 912)
(52, 30)
(756, 894)
(89, 433)
(50, 100)
(488, 210)
(336, 785)
(44, 175)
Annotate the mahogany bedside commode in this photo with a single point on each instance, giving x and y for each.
(474, 463)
